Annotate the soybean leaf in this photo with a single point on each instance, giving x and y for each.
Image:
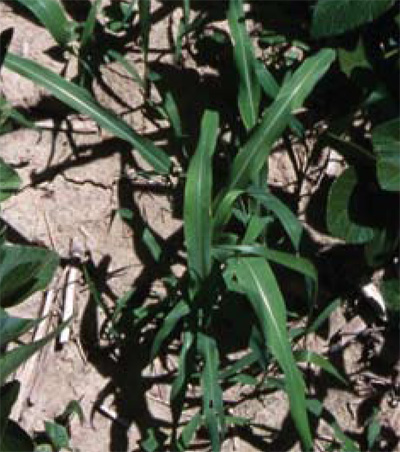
(57, 434)
(53, 17)
(343, 211)
(80, 100)
(180, 310)
(249, 87)
(212, 394)
(15, 439)
(10, 361)
(307, 356)
(334, 17)
(386, 141)
(258, 282)
(23, 271)
(11, 328)
(9, 181)
(253, 155)
(8, 396)
(197, 204)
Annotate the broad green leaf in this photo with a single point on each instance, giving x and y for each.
(342, 210)
(9, 181)
(8, 396)
(180, 310)
(213, 407)
(307, 356)
(197, 204)
(354, 58)
(15, 439)
(11, 328)
(258, 282)
(57, 434)
(391, 294)
(10, 361)
(249, 87)
(386, 141)
(51, 14)
(334, 17)
(353, 153)
(80, 100)
(253, 155)
(23, 271)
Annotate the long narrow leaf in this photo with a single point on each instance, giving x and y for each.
(259, 283)
(252, 157)
(249, 87)
(53, 17)
(80, 100)
(10, 361)
(197, 207)
(212, 393)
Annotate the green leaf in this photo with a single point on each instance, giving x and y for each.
(374, 429)
(11, 328)
(57, 434)
(179, 384)
(253, 155)
(80, 100)
(319, 411)
(128, 66)
(391, 294)
(9, 181)
(343, 210)
(8, 396)
(323, 316)
(386, 141)
(145, 25)
(180, 310)
(197, 204)
(288, 219)
(188, 432)
(5, 39)
(213, 407)
(23, 271)
(53, 17)
(15, 439)
(352, 59)
(307, 356)
(88, 28)
(258, 282)
(334, 17)
(249, 87)
(10, 361)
